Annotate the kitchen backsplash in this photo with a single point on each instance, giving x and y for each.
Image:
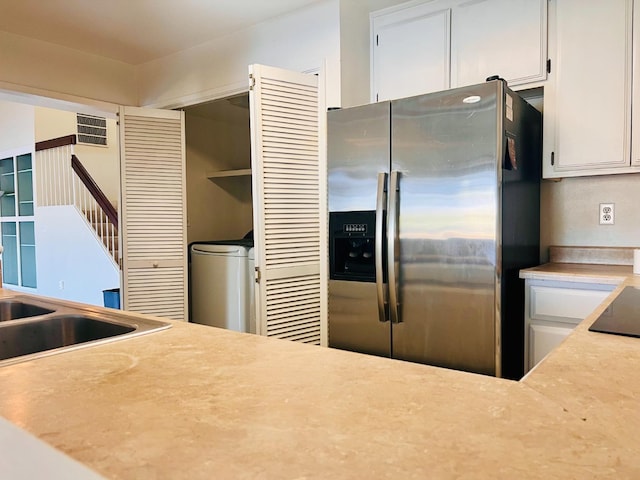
(569, 212)
(591, 255)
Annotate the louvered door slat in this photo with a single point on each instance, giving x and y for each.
(297, 129)
(310, 294)
(154, 222)
(302, 205)
(301, 164)
(291, 133)
(289, 118)
(286, 172)
(286, 86)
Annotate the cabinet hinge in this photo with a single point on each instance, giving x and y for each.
(553, 158)
(252, 81)
(257, 274)
(548, 65)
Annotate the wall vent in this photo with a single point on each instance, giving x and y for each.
(92, 130)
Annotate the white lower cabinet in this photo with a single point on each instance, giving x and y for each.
(544, 338)
(552, 310)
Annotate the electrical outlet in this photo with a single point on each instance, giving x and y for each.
(607, 213)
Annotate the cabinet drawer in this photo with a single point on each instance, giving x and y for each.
(543, 339)
(564, 304)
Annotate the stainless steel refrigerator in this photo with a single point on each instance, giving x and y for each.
(434, 205)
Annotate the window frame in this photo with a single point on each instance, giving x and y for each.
(18, 219)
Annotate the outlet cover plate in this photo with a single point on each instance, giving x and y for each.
(607, 214)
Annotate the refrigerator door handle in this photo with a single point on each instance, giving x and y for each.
(380, 205)
(393, 250)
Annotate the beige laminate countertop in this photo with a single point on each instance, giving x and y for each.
(196, 402)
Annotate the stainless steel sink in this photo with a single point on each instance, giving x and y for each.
(13, 309)
(32, 328)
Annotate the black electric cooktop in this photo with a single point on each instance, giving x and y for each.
(623, 315)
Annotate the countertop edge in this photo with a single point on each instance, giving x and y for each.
(577, 272)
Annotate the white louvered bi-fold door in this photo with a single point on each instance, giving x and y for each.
(154, 262)
(286, 176)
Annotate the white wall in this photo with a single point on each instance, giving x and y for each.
(102, 163)
(16, 126)
(354, 53)
(300, 41)
(41, 68)
(72, 264)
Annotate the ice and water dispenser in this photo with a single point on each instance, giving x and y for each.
(352, 246)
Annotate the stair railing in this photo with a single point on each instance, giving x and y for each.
(99, 211)
(69, 183)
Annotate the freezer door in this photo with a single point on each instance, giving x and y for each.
(353, 319)
(445, 150)
(358, 150)
(358, 157)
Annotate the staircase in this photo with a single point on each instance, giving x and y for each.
(105, 231)
(74, 186)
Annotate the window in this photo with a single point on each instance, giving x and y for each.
(92, 130)
(17, 228)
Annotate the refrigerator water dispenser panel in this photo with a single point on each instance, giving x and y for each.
(351, 246)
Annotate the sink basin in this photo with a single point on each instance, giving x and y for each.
(31, 328)
(38, 336)
(13, 309)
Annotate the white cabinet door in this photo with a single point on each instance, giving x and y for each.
(588, 103)
(499, 37)
(289, 213)
(410, 52)
(543, 339)
(552, 310)
(153, 199)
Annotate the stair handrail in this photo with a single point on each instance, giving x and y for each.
(95, 190)
(56, 142)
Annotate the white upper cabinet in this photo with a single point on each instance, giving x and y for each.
(499, 37)
(588, 96)
(429, 46)
(410, 52)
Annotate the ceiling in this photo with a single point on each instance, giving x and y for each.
(136, 31)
